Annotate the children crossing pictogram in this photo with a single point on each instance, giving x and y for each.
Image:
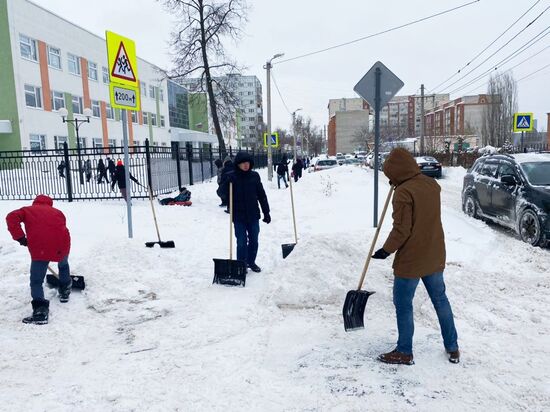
(122, 68)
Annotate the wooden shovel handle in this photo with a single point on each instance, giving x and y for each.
(53, 272)
(293, 214)
(230, 220)
(390, 192)
(154, 214)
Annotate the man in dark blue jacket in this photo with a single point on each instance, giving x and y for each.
(248, 191)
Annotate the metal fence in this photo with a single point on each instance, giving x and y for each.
(56, 173)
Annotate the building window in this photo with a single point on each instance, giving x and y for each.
(33, 96)
(162, 122)
(58, 142)
(243, 119)
(97, 143)
(251, 110)
(144, 89)
(252, 127)
(134, 117)
(161, 94)
(37, 142)
(112, 143)
(54, 57)
(152, 92)
(74, 63)
(153, 119)
(92, 71)
(82, 141)
(96, 112)
(145, 118)
(77, 105)
(252, 119)
(58, 100)
(251, 102)
(105, 72)
(27, 46)
(110, 113)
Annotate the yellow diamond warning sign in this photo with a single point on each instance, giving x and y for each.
(121, 53)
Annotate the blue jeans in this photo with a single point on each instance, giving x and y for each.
(38, 272)
(279, 177)
(403, 294)
(247, 240)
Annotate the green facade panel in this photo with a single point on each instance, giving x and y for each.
(198, 112)
(70, 116)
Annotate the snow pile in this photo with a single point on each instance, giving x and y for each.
(151, 332)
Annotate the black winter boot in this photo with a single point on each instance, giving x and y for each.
(40, 312)
(65, 291)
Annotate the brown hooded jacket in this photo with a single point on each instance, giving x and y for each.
(417, 233)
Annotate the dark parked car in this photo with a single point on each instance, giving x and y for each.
(429, 166)
(512, 190)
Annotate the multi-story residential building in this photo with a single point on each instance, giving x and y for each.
(459, 118)
(48, 63)
(348, 123)
(246, 123)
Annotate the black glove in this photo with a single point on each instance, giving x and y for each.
(22, 241)
(267, 218)
(380, 254)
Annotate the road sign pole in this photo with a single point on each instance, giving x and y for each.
(378, 74)
(269, 152)
(522, 140)
(127, 174)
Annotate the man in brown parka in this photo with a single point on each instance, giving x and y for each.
(417, 237)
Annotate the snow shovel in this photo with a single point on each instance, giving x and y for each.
(356, 300)
(228, 271)
(53, 280)
(289, 247)
(166, 244)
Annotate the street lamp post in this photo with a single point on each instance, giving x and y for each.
(294, 132)
(76, 122)
(267, 67)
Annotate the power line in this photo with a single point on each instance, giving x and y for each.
(499, 49)
(280, 95)
(510, 69)
(511, 56)
(377, 34)
(485, 49)
(535, 72)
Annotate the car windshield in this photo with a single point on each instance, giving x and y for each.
(425, 159)
(326, 163)
(538, 173)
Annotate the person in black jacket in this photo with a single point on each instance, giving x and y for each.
(297, 169)
(112, 168)
(248, 191)
(120, 179)
(101, 172)
(282, 171)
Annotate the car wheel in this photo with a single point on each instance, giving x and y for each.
(470, 207)
(529, 228)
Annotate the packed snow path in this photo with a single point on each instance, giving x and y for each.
(151, 332)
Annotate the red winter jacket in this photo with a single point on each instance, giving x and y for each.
(47, 235)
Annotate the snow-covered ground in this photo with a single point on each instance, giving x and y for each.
(151, 332)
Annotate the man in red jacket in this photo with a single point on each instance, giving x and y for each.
(48, 240)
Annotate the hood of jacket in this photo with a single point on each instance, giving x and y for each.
(242, 157)
(43, 200)
(400, 166)
(227, 160)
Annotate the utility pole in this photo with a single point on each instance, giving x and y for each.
(294, 132)
(267, 67)
(422, 124)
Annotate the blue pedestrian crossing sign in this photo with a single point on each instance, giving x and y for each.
(274, 139)
(523, 122)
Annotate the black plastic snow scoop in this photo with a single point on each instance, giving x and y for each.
(289, 247)
(165, 244)
(356, 300)
(228, 271)
(53, 280)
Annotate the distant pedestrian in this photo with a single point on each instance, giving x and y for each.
(417, 237)
(248, 191)
(282, 171)
(61, 168)
(101, 172)
(119, 179)
(112, 168)
(88, 170)
(297, 169)
(48, 240)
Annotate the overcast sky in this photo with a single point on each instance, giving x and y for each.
(428, 52)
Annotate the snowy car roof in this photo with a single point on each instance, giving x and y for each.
(531, 157)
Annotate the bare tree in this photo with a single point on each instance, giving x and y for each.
(198, 50)
(499, 112)
(364, 138)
